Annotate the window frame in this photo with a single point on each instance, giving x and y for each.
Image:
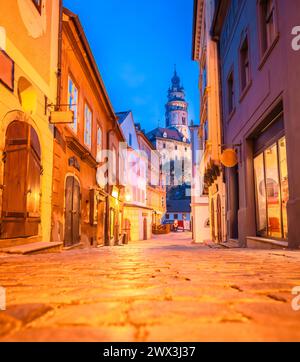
(245, 64)
(230, 97)
(87, 107)
(266, 49)
(71, 105)
(99, 147)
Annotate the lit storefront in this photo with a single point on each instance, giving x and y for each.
(272, 192)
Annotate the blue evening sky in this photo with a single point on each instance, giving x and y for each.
(136, 44)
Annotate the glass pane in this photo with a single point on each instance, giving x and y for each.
(261, 211)
(273, 193)
(284, 183)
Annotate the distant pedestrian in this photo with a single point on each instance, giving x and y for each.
(175, 225)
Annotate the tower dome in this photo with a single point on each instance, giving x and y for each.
(177, 107)
(176, 80)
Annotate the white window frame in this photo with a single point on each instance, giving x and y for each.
(73, 99)
(88, 121)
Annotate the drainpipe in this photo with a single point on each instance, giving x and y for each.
(59, 63)
(107, 231)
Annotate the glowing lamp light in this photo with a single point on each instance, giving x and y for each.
(128, 197)
(229, 158)
(115, 194)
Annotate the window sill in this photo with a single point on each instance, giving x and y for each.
(268, 52)
(245, 91)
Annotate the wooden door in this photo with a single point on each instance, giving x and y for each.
(72, 212)
(145, 229)
(101, 223)
(219, 218)
(21, 182)
(212, 216)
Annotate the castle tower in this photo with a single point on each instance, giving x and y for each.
(177, 108)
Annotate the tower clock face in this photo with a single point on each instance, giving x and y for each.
(34, 20)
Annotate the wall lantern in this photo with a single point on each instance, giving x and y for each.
(115, 193)
(229, 158)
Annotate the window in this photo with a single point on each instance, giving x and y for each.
(245, 64)
(167, 216)
(183, 120)
(204, 81)
(272, 192)
(164, 145)
(230, 90)
(99, 143)
(175, 216)
(38, 4)
(130, 140)
(268, 23)
(73, 103)
(87, 126)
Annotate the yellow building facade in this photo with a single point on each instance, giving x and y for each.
(210, 171)
(29, 31)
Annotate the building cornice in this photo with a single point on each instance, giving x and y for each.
(197, 25)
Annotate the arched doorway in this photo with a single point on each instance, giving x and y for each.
(72, 213)
(212, 216)
(219, 218)
(21, 182)
(145, 231)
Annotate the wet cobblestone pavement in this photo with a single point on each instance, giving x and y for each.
(165, 289)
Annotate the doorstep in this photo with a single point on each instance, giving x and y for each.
(33, 248)
(264, 243)
(213, 245)
(231, 244)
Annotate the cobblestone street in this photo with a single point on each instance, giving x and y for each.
(162, 290)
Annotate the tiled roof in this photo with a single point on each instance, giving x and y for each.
(179, 206)
(122, 116)
(172, 134)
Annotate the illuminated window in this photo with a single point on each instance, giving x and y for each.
(87, 126)
(38, 4)
(272, 191)
(73, 103)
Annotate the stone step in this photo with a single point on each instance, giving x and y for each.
(231, 244)
(211, 244)
(33, 248)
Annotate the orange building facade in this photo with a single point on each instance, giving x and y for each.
(83, 212)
